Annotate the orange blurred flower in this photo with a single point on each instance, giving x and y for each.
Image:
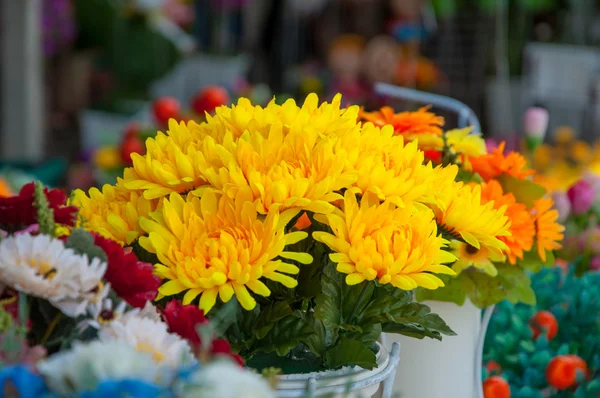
(548, 232)
(5, 190)
(493, 164)
(522, 229)
(406, 123)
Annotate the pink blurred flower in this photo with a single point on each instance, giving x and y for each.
(593, 180)
(179, 12)
(581, 196)
(595, 264)
(535, 122)
(562, 204)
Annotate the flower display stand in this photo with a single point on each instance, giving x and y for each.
(349, 382)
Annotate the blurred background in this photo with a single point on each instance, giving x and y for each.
(85, 81)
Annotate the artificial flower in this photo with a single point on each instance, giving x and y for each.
(236, 382)
(171, 163)
(133, 280)
(548, 232)
(466, 144)
(220, 246)
(101, 313)
(522, 229)
(470, 256)
(385, 165)
(494, 164)
(42, 267)
(19, 211)
(107, 158)
(460, 211)
(399, 246)
(21, 381)
(562, 205)
(149, 336)
(113, 212)
(86, 366)
(184, 321)
(411, 124)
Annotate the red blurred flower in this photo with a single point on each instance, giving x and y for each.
(18, 211)
(183, 320)
(133, 280)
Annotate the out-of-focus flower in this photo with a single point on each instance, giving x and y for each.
(581, 196)
(185, 319)
(595, 263)
(492, 165)
(234, 381)
(107, 158)
(562, 204)
(589, 240)
(535, 123)
(86, 366)
(43, 267)
(19, 210)
(5, 190)
(593, 179)
(409, 124)
(149, 336)
(133, 280)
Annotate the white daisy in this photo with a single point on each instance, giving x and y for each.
(101, 313)
(42, 266)
(86, 365)
(150, 336)
(225, 379)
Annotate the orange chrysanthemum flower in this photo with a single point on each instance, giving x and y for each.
(493, 164)
(548, 232)
(522, 229)
(406, 123)
(5, 190)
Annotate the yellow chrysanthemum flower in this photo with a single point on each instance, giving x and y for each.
(394, 245)
(113, 212)
(385, 165)
(463, 142)
(297, 169)
(470, 256)
(220, 246)
(325, 119)
(169, 165)
(107, 157)
(459, 209)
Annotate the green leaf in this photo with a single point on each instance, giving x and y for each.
(269, 315)
(82, 242)
(482, 289)
(337, 301)
(532, 262)
(517, 284)
(525, 191)
(416, 320)
(350, 352)
(317, 341)
(453, 291)
(309, 278)
(284, 335)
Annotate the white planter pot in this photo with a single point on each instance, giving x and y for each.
(348, 382)
(441, 369)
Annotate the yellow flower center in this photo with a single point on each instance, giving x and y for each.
(156, 356)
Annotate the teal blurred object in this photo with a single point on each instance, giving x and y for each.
(49, 172)
(574, 302)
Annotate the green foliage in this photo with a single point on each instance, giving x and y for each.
(45, 215)
(525, 191)
(82, 242)
(349, 351)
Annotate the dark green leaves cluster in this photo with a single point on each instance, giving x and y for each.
(326, 324)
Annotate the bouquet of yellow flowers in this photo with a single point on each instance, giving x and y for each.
(315, 227)
(521, 235)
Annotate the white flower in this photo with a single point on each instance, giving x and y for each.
(86, 365)
(224, 379)
(43, 267)
(102, 312)
(145, 334)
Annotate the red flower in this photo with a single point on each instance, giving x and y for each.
(434, 156)
(18, 211)
(183, 320)
(133, 280)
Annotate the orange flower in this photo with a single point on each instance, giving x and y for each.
(493, 164)
(303, 222)
(406, 123)
(548, 232)
(5, 191)
(522, 229)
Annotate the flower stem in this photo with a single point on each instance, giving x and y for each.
(51, 328)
